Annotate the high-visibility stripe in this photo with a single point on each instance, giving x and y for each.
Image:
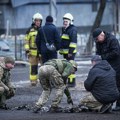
(33, 77)
(65, 51)
(26, 46)
(73, 45)
(33, 52)
(71, 77)
(65, 36)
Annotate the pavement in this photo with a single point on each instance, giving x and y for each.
(27, 95)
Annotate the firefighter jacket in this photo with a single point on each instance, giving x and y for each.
(4, 76)
(30, 44)
(69, 40)
(64, 67)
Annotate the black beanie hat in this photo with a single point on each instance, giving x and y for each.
(97, 32)
(49, 19)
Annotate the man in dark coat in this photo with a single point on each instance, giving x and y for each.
(101, 83)
(108, 47)
(48, 33)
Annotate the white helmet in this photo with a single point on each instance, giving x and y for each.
(69, 17)
(37, 16)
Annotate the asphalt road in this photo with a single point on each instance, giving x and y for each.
(25, 94)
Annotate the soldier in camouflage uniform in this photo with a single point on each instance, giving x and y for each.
(6, 88)
(53, 74)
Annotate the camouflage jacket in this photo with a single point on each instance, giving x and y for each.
(63, 66)
(4, 76)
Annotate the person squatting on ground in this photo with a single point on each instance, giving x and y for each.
(107, 46)
(69, 43)
(31, 49)
(53, 74)
(48, 40)
(6, 88)
(101, 86)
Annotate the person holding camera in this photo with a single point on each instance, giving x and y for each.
(48, 40)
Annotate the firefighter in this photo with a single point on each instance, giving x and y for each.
(31, 49)
(69, 43)
(6, 88)
(53, 74)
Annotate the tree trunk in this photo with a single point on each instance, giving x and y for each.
(89, 45)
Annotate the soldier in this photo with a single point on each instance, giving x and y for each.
(6, 89)
(31, 49)
(69, 43)
(54, 73)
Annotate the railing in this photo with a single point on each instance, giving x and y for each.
(16, 46)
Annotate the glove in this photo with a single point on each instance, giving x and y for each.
(65, 80)
(69, 100)
(11, 92)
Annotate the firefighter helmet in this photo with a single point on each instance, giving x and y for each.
(69, 17)
(37, 16)
(74, 64)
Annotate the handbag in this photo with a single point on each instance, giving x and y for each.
(49, 47)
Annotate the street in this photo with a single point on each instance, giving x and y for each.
(27, 95)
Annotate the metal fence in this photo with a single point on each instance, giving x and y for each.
(16, 46)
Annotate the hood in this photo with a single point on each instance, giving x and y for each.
(103, 65)
(2, 63)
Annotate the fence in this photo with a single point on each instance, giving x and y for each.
(15, 46)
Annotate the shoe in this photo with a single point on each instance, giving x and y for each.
(84, 108)
(106, 108)
(55, 109)
(117, 108)
(36, 109)
(4, 106)
(33, 83)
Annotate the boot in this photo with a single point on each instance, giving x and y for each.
(117, 107)
(55, 109)
(106, 108)
(33, 83)
(36, 109)
(4, 106)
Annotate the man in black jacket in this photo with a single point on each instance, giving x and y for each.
(108, 47)
(48, 34)
(101, 83)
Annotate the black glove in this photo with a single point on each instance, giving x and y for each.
(69, 100)
(11, 92)
(65, 80)
(67, 93)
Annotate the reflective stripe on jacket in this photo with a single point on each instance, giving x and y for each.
(69, 40)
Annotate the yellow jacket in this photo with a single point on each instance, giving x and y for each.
(30, 38)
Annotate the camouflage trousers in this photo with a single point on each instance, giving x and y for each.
(90, 102)
(50, 78)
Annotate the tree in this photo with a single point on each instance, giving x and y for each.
(97, 22)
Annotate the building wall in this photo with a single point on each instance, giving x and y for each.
(21, 17)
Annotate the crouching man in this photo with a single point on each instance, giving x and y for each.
(53, 74)
(101, 84)
(6, 88)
